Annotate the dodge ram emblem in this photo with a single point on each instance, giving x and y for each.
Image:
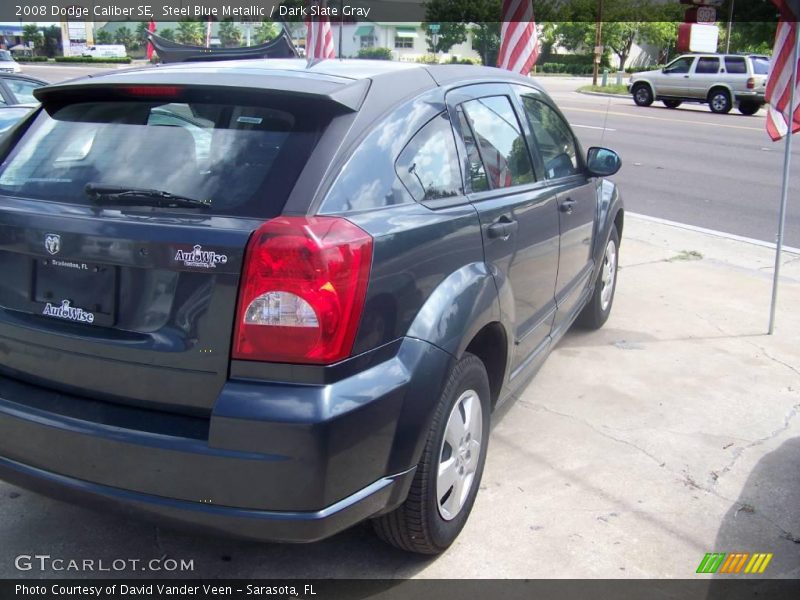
(52, 242)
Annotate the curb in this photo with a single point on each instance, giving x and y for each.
(604, 94)
(712, 232)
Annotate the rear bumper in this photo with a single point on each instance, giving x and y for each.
(275, 461)
(277, 526)
(751, 97)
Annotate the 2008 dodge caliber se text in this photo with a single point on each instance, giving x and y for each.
(273, 301)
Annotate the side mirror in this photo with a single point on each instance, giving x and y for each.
(603, 162)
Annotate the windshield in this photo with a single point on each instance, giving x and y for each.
(240, 159)
(5, 55)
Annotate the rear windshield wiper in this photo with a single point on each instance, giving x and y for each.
(116, 194)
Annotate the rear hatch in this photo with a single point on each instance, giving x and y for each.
(760, 73)
(124, 215)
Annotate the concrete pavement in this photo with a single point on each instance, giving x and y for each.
(671, 432)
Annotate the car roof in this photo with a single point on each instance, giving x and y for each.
(343, 80)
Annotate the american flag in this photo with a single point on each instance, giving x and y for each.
(319, 38)
(779, 84)
(519, 42)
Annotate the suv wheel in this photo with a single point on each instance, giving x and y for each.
(642, 94)
(670, 103)
(596, 312)
(448, 476)
(720, 101)
(749, 108)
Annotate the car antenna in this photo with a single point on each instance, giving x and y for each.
(605, 122)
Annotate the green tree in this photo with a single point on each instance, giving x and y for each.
(449, 35)
(167, 34)
(124, 36)
(266, 31)
(31, 34)
(190, 32)
(103, 36)
(481, 16)
(140, 34)
(52, 40)
(229, 34)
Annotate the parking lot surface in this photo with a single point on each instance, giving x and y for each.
(670, 433)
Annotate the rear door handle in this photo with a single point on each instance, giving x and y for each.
(566, 206)
(502, 228)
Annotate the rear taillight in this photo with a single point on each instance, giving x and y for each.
(302, 291)
(751, 83)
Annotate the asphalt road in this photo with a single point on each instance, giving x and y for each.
(689, 165)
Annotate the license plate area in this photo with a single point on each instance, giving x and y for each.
(75, 291)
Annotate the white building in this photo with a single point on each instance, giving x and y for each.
(406, 40)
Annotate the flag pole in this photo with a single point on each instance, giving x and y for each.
(787, 160)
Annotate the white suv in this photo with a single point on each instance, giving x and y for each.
(720, 80)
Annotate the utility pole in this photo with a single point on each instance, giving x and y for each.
(730, 27)
(598, 42)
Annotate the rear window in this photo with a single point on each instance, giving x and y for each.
(735, 64)
(243, 159)
(760, 66)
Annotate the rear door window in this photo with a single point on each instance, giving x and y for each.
(499, 141)
(242, 159)
(428, 165)
(707, 65)
(735, 65)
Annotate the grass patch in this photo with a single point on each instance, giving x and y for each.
(609, 89)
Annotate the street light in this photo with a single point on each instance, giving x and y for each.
(730, 27)
(598, 42)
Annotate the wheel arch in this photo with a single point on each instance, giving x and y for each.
(721, 86)
(646, 82)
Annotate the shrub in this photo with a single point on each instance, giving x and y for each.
(640, 69)
(464, 61)
(89, 59)
(428, 59)
(375, 53)
(27, 59)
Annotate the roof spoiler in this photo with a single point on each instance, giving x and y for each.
(174, 52)
(130, 84)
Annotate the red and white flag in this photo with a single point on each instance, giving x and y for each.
(519, 42)
(779, 84)
(151, 27)
(319, 38)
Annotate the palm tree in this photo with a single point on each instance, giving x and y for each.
(167, 34)
(32, 35)
(124, 36)
(229, 34)
(267, 30)
(103, 36)
(190, 32)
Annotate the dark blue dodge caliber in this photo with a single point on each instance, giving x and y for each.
(273, 301)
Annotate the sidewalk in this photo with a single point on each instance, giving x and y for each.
(670, 433)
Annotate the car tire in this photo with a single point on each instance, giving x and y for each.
(425, 523)
(719, 101)
(670, 103)
(642, 95)
(749, 108)
(597, 310)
